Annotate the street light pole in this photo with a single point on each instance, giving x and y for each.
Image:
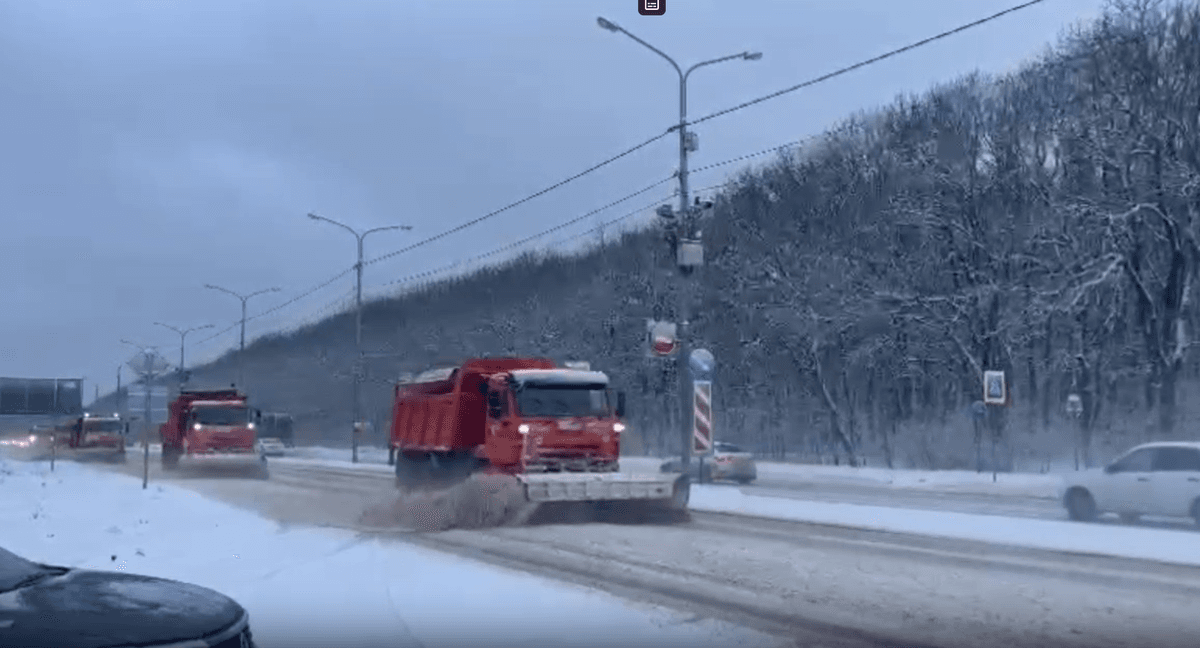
(358, 307)
(182, 339)
(242, 346)
(685, 231)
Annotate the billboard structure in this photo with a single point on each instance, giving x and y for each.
(41, 396)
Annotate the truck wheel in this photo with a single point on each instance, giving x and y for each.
(406, 474)
(170, 458)
(1080, 505)
(681, 494)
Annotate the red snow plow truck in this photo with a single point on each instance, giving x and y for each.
(213, 427)
(99, 437)
(555, 429)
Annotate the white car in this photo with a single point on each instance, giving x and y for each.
(271, 447)
(1160, 479)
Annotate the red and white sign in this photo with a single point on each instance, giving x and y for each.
(702, 429)
(663, 341)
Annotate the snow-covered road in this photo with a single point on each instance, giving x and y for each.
(316, 588)
(831, 585)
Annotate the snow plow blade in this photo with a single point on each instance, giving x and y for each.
(598, 487)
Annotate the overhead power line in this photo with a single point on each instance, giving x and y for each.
(442, 269)
(867, 62)
(522, 201)
(462, 262)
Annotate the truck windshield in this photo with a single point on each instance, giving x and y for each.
(563, 400)
(221, 415)
(104, 427)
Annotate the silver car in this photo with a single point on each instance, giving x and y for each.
(271, 447)
(728, 462)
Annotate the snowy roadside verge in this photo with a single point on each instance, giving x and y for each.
(1166, 546)
(1038, 485)
(309, 587)
(957, 481)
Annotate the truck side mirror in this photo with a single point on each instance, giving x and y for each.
(620, 404)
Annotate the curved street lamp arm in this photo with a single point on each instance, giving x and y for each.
(263, 291)
(177, 330)
(224, 290)
(386, 227)
(742, 55)
(330, 220)
(611, 26)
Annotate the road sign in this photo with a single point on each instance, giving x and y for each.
(702, 428)
(148, 363)
(662, 339)
(135, 402)
(39, 396)
(1074, 405)
(701, 362)
(995, 388)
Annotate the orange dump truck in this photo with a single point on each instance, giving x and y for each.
(212, 427)
(95, 436)
(556, 429)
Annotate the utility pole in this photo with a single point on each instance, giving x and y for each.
(242, 346)
(182, 339)
(689, 253)
(356, 426)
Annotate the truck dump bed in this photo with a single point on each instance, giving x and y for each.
(449, 415)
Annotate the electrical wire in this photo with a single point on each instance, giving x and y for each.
(462, 262)
(459, 228)
(510, 246)
(522, 201)
(627, 152)
(867, 62)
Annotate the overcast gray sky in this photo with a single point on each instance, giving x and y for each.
(148, 148)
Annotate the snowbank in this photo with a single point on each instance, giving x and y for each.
(960, 481)
(312, 587)
(1168, 546)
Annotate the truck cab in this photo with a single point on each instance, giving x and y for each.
(212, 426)
(216, 426)
(553, 420)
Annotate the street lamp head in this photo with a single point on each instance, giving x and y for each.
(752, 56)
(607, 24)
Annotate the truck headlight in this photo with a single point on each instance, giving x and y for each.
(251, 425)
(618, 427)
(523, 428)
(196, 426)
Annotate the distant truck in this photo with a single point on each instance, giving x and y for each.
(96, 436)
(277, 425)
(556, 429)
(212, 426)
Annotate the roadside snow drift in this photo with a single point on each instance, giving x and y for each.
(1168, 546)
(318, 587)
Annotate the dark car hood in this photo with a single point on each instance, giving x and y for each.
(89, 609)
